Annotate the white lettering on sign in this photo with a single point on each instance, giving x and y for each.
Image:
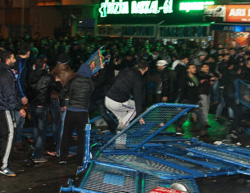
(228, 28)
(136, 7)
(144, 7)
(237, 12)
(113, 7)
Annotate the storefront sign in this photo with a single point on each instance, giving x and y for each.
(238, 13)
(194, 6)
(184, 32)
(126, 31)
(134, 7)
(215, 11)
(109, 31)
(231, 28)
(227, 13)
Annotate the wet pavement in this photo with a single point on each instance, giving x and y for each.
(49, 177)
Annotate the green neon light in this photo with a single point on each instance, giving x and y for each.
(188, 6)
(136, 7)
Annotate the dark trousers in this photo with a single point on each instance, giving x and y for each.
(99, 105)
(40, 117)
(74, 120)
(56, 119)
(6, 138)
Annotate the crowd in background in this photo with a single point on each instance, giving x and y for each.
(178, 73)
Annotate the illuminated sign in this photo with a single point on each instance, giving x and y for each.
(238, 13)
(188, 6)
(134, 7)
(232, 28)
(228, 13)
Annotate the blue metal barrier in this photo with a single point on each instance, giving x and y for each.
(139, 158)
(241, 90)
(157, 118)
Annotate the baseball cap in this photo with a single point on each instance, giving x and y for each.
(161, 63)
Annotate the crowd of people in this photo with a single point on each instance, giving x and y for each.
(50, 76)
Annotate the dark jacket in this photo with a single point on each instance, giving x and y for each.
(245, 75)
(204, 86)
(169, 82)
(79, 89)
(21, 66)
(190, 91)
(227, 81)
(181, 73)
(40, 86)
(129, 82)
(8, 96)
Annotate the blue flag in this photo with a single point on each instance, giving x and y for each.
(95, 61)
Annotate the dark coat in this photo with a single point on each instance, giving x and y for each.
(190, 92)
(169, 82)
(8, 95)
(79, 90)
(40, 86)
(204, 86)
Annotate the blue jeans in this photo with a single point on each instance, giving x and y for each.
(221, 105)
(19, 127)
(56, 119)
(40, 123)
(215, 92)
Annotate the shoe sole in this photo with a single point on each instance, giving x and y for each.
(9, 175)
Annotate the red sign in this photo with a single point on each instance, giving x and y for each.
(165, 190)
(237, 13)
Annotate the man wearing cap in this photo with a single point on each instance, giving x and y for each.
(168, 82)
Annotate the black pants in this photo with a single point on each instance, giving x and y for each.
(74, 120)
(99, 105)
(6, 138)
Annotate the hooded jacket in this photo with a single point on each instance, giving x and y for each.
(8, 96)
(40, 86)
(79, 89)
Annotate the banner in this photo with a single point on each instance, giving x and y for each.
(109, 31)
(227, 13)
(126, 31)
(215, 13)
(185, 31)
(237, 13)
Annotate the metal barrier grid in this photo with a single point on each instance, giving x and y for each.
(157, 118)
(150, 182)
(152, 167)
(223, 155)
(241, 150)
(242, 92)
(213, 164)
(110, 177)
